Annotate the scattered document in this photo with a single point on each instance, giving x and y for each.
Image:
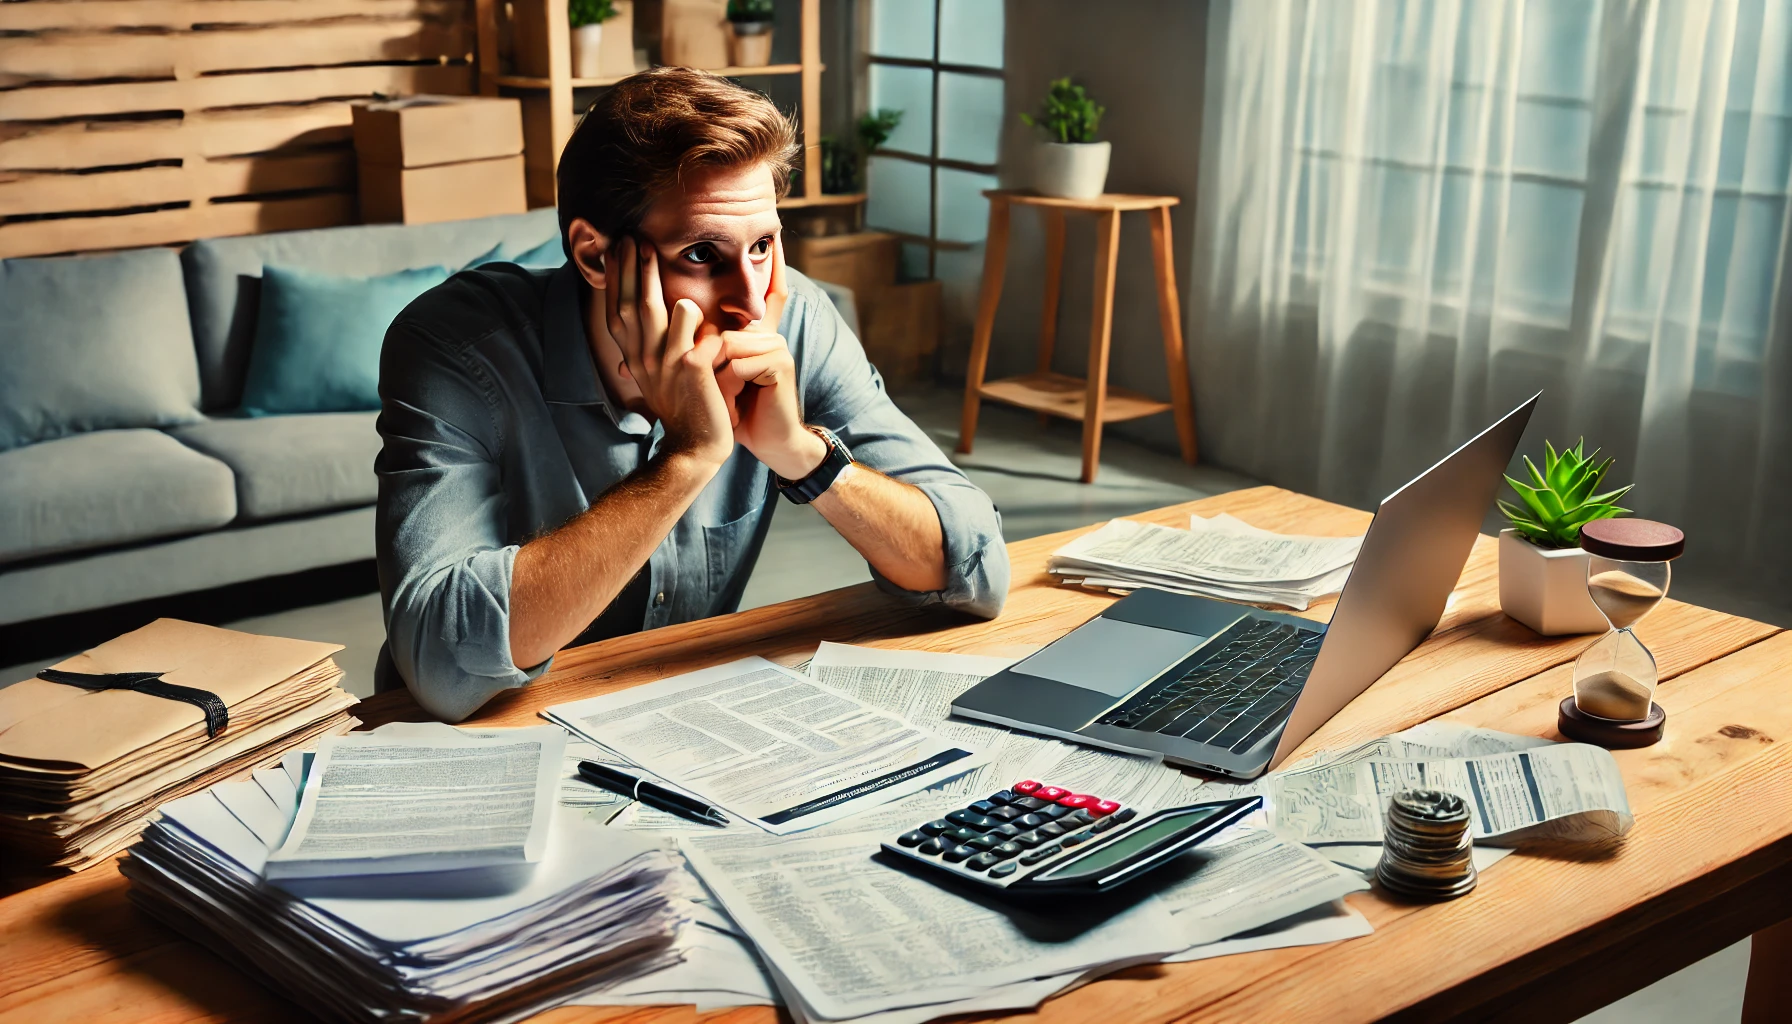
(1248, 878)
(850, 936)
(1222, 557)
(768, 745)
(1563, 791)
(601, 908)
(428, 797)
(1330, 923)
(921, 686)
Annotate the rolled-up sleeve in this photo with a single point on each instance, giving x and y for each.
(844, 393)
(444, 565)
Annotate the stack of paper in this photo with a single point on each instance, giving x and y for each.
(601, 908)
(1220, 557)
(428, 797)
(82, 770)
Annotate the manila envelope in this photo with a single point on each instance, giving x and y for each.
(53, 724)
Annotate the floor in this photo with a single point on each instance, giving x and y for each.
(1032, 476)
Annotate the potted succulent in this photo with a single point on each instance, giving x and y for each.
(586, 19)
(749, 33)
(1070, 163)
(1543, 571)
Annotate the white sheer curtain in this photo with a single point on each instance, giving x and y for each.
(1414, 214)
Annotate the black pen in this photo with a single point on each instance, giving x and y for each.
(652, 794)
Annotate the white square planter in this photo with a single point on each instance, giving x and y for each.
(1546, 588)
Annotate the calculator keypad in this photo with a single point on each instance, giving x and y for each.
(1018, 827)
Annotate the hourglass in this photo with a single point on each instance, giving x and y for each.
(1614, 680)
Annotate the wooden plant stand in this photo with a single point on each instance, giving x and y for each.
(1055, 394)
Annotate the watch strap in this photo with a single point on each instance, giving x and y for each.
(813, 486)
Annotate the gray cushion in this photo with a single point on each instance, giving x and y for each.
(108, 487)
(93, 342)
(224, 275)
(287, 465)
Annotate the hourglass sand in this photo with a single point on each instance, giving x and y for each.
(1614, 680)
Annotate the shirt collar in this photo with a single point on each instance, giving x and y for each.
(569, 373)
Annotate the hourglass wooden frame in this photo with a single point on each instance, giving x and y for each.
(1628, 572)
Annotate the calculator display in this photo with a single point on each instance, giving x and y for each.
(1141, 839)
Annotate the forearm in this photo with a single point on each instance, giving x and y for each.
(563, 580)
(893, 524)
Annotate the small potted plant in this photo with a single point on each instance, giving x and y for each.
(749, 33)
(1070, 163)
(586, 19)
(1543, 571)
(843, 166)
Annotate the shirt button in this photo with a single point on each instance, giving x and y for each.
(659, 599)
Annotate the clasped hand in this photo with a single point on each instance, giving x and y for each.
(710, 388)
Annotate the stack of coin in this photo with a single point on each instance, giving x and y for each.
(1426, 851)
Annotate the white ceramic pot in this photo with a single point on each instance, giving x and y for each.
(1072, 170)
(750, 44)
(587, 50)
(1546, 588)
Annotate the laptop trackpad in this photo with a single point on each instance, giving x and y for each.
(1109, 656)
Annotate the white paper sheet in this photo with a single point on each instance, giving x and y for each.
(423, 798)
(1221, 557)
(1247, 878)
(1566, 791)
(768, 745)
(854, 937)
(1332, 922)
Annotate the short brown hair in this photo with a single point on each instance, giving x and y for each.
(642, 134)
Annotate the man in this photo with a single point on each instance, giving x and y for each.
(583, 453)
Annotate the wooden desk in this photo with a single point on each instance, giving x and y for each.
(1548, 935)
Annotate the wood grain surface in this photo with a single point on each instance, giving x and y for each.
(1547, 936)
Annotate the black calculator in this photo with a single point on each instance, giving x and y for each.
(1038, 838)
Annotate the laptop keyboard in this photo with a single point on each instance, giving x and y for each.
(1234, 696)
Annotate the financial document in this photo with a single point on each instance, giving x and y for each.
(423, 797)
(1563, 791)
(921, 685)
(778, 749)
(1221, 557)
(853, 937)
(1248, 878)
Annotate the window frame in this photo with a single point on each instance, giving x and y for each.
(932, 159)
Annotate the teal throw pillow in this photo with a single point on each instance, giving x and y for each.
(318, 338)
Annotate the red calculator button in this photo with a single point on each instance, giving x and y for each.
(1051, 793)
(1075, 800)
(1102, 808)
(1026, 788)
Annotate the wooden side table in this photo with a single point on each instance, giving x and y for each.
(1055, 394)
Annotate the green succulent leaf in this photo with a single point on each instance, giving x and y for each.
(1562, 496)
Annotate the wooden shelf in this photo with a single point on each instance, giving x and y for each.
(1059, 394)
(825, 199)
(532, 82)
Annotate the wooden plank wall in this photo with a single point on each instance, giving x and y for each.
(146, 122)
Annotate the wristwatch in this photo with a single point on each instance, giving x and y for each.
(803, 491)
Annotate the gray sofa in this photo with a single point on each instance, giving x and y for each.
(124, 474)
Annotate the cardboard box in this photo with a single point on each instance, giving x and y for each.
(694, 33)
(392, 194)
(529, 29)
(862, 261)
(900, 329)
(423, 131)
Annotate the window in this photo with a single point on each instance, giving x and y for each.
(940, 63)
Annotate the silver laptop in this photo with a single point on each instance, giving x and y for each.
(1230, 689)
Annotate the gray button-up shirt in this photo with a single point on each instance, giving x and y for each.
(497, 429)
